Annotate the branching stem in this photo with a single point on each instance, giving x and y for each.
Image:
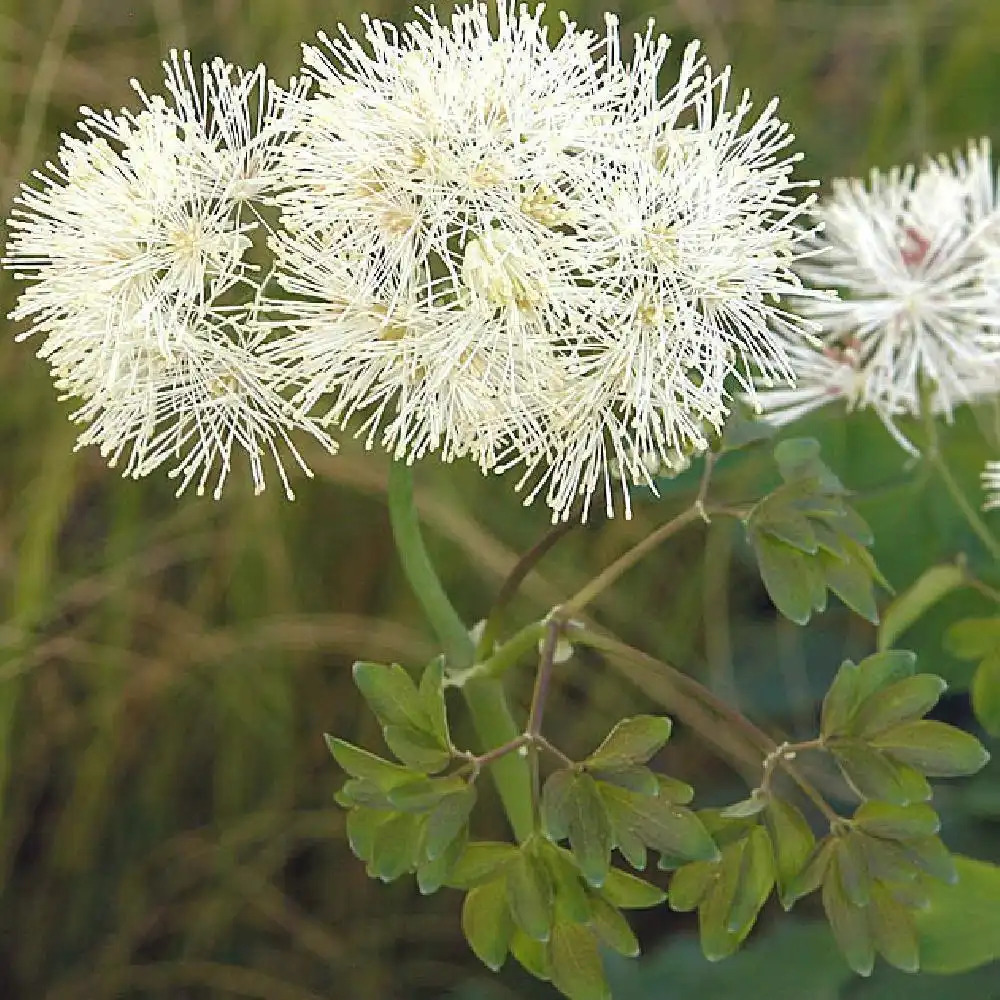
(484, 696)
(625, 562)
(698, 511)
(783, 756)
(513, 582)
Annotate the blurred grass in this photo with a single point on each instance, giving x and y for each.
(167, 668)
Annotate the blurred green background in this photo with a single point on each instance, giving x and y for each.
(167, 668)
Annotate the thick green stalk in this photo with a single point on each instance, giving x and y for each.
(435, 603)
(487, 704)
(485, 696)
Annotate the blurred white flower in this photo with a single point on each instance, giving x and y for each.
(914, 255)
(991, 485)
(823, 375)
(136, 249)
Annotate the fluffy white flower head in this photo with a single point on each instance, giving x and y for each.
(513, 247)
(700, 215)
(135, 247)
(437, 194)
(913, 255)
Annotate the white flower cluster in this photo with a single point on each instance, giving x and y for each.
(487, 241)
(915, 256)
(137, 244)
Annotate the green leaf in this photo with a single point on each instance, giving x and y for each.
(799, 458)
(589, 829)
(447, 820)
(640, 780)
(575, 963)
(417, 749)
(807, 540)
(632, 741)
(829, 538)
(873, 775)
(934, 584)
(632, 849)
(486, 923)
(746, 808)
(571, 899)
(935, 748)
(555, 803)
(481, 862)
(431, 692)
(362, 792)
(904, 701)
(361, 826)
(849, 578)
(813, 584)
(629, 892)
(814, 871)
(792, 840)
(887, 860)
(793, 529)
(717, 940)
(529, 895)
(852, 866)
(973, 638)
(852, 524)
(612, 928)
(841, 700)
(669, 829)
(879, 670)
(674, 791)
(986, 693)
(849, 924)
(756, 880)
(422, 794)
(960, 927)
(394, 847)
(361, 764)
(895, 822)
(931, 856)
(782, 570)
(392, 695)
(532, 954)
(893, 930)
(726, 829)
(690, 883)
(432, 873)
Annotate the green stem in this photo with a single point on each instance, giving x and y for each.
(732, 734)
(975, 522)
(420, 572)
(484, 696)
(696, 512)
(783, 756)
(730, 731)
(495, 726)
(539, 696)
(518, 646)
(937, 460)
(611, 573)
(515, 578)
(976, 584)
